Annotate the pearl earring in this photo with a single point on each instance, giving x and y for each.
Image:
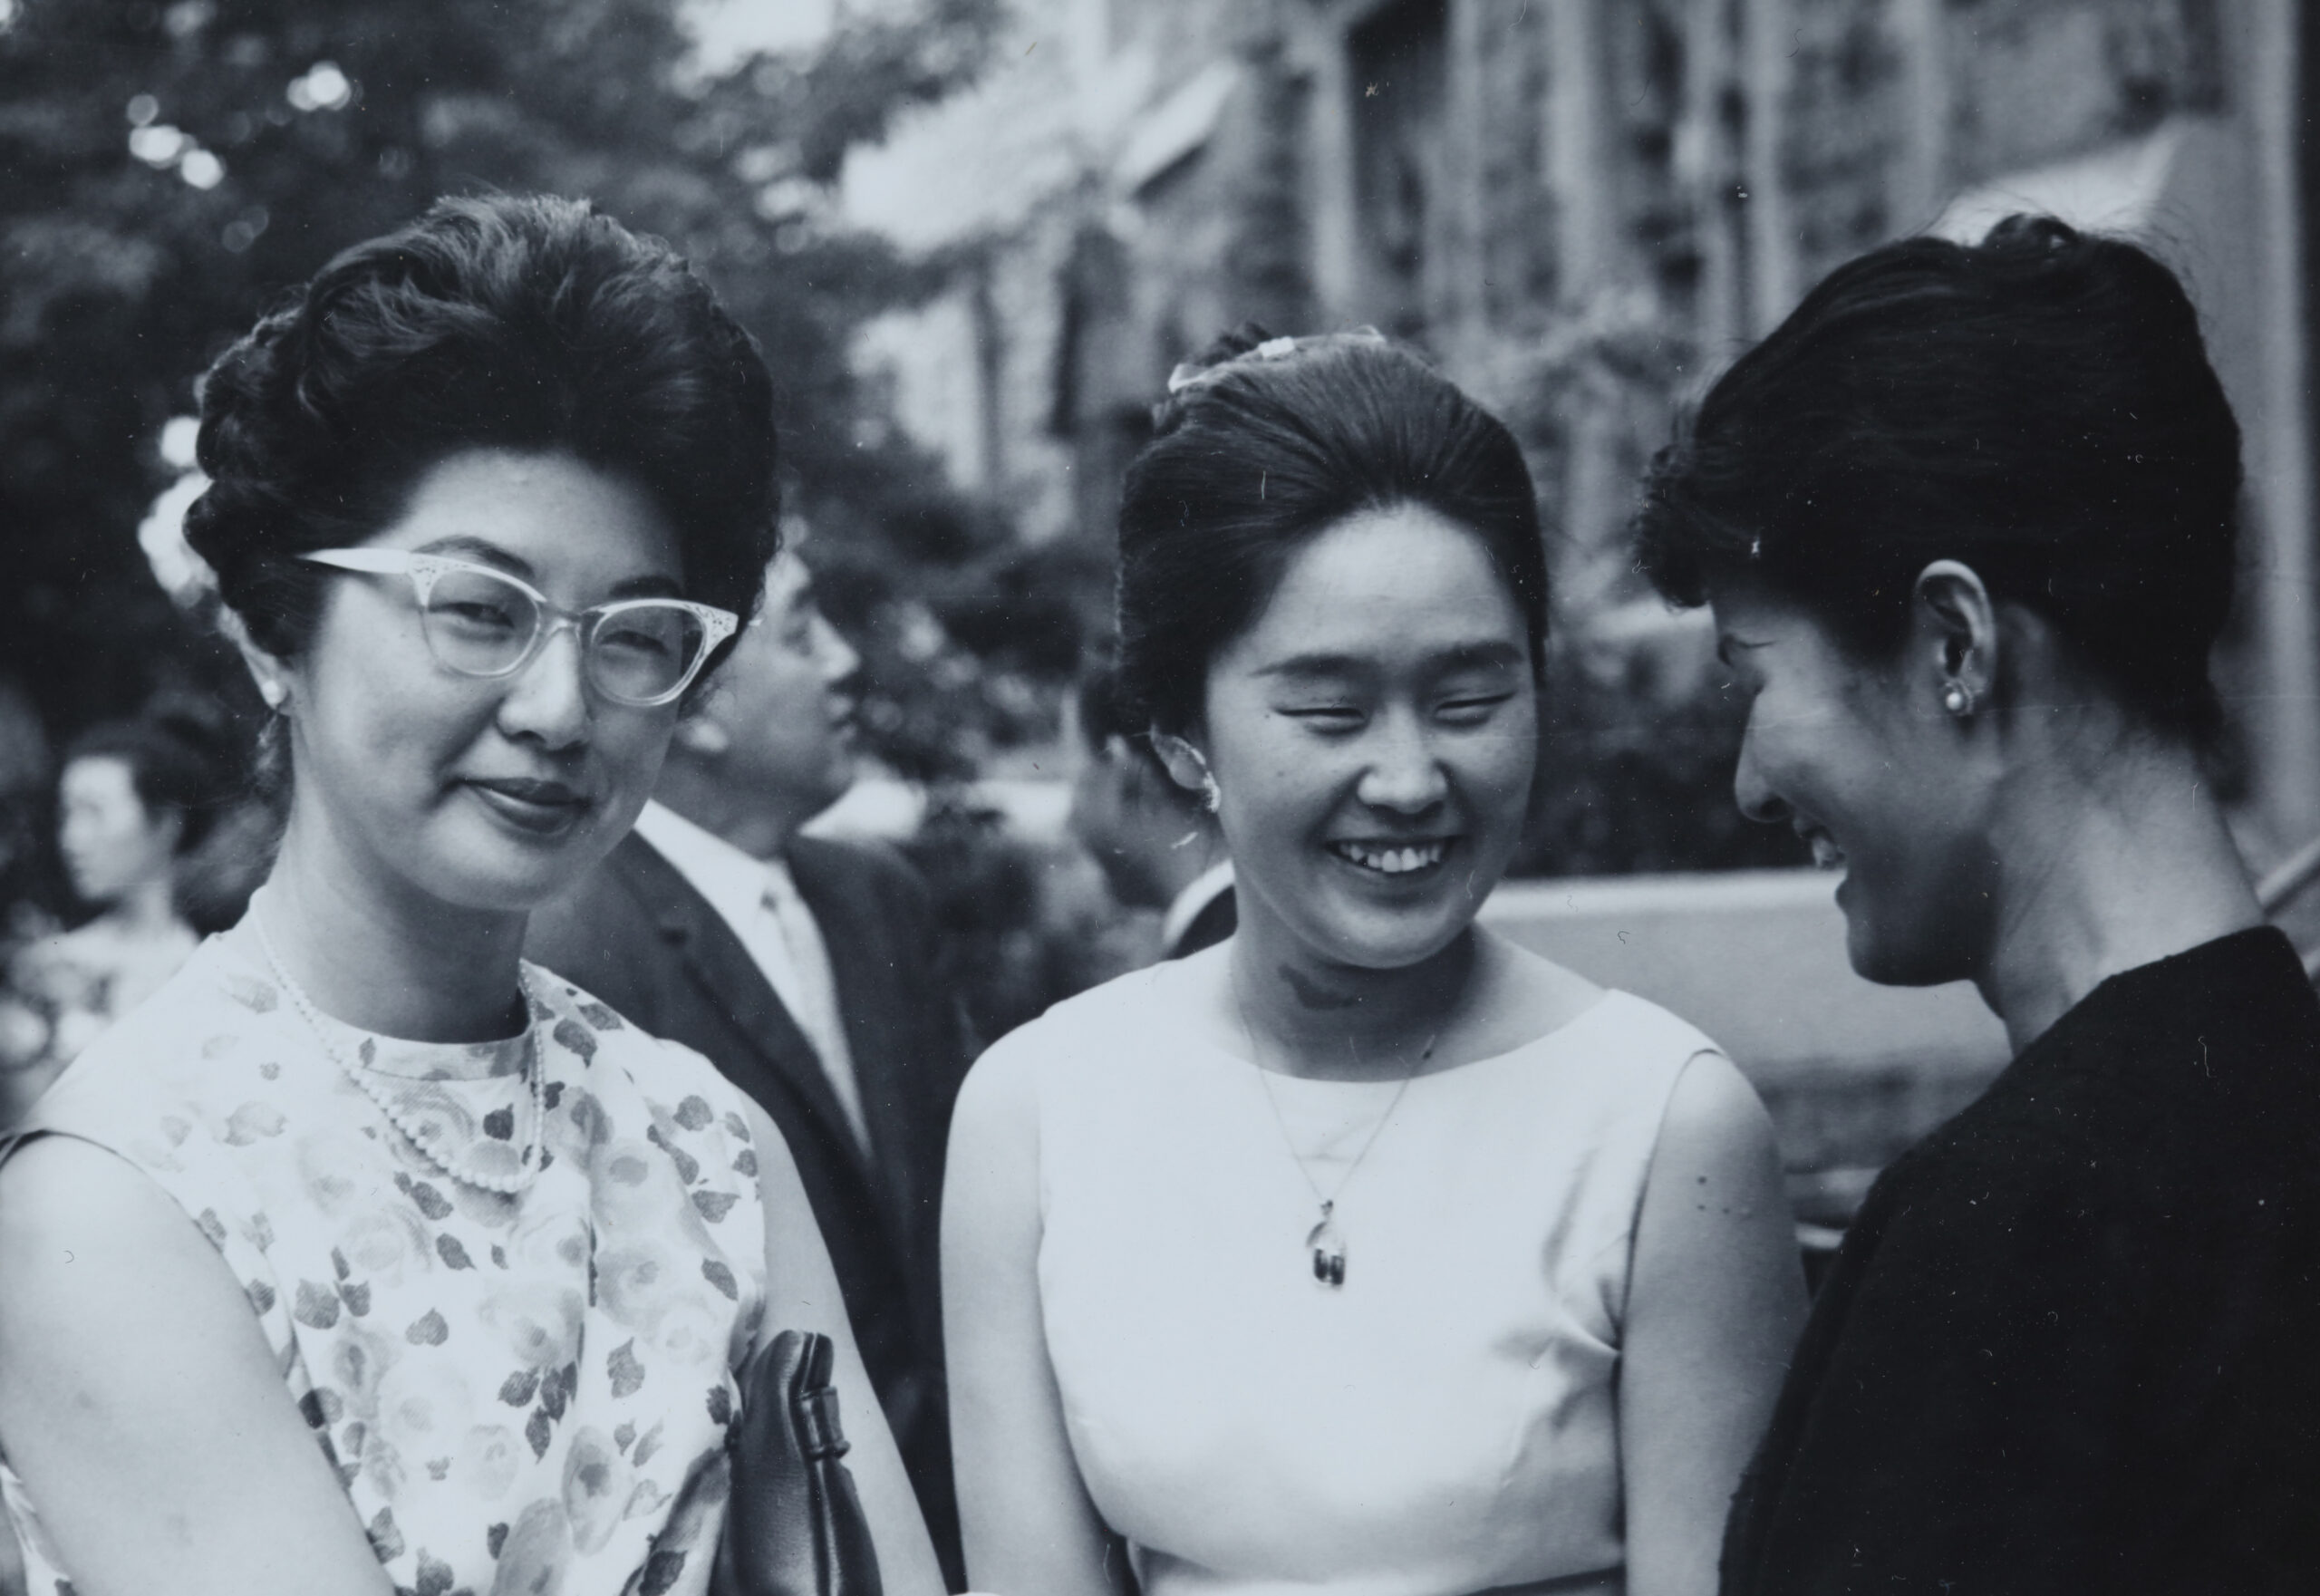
(273, 692)
(1957, 699)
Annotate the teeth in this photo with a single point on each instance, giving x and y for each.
(1392, 861)
(1826, 855)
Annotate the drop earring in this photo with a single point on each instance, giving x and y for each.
(1957, 699)
(273, 692)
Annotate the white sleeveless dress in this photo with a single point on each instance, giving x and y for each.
(524, 1393)
(1444, 1422)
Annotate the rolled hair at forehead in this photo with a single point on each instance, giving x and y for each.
(1261, 447)
(2039, 406)
(530, 325)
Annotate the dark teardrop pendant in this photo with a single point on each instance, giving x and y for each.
(1329, 1250)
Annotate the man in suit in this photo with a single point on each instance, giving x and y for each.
(804, 968)
(1158, 846)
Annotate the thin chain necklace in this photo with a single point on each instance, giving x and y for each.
(1325, 1241)
(510, 1185)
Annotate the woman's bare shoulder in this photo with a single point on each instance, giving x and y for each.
(1527, 996)
(1090, 1029)
(79, 1223)
(59, 1185)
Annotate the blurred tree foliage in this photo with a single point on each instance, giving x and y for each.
(1639, 733)
(168, 170)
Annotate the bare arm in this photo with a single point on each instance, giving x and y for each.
(1713, 1306)
(140, 1404)
(801, 1294)
(1030, 1527)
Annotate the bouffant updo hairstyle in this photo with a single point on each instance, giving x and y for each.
(1106, 717)
(179, 761)
(2038, 407)
(526, 323)
(1265, 442)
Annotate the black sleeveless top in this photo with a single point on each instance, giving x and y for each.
(2073, 1341)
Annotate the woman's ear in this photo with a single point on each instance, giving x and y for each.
(1187, 766)
(1955, 635)
(270, 672)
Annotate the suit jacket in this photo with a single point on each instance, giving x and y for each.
(638, 936)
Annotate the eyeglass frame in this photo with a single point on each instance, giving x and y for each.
(425, 569)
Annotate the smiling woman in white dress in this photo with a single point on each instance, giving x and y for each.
(364, 1257)
(1365, 1253)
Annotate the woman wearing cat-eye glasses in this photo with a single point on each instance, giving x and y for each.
(365, 1256)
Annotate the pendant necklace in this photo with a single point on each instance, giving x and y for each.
(534, 1142)
(1325, 1241)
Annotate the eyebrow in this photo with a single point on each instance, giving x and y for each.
(1477, 656)
(484, 552)
(1464, 656)
(1314, 665)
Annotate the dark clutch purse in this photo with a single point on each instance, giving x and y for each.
(794, 1524)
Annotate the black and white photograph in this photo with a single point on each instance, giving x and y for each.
(1159, 797)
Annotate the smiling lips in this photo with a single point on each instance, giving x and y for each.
(1397, 860)
(535, 806)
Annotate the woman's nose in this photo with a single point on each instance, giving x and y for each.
(1750, 788)
(1403, 773)
(548, 700)
(839, 662)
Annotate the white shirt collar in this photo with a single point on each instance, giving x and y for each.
(1204, 890)
(733, 882)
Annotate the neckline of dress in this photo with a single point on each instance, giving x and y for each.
(404, 1058)
(1608, 998)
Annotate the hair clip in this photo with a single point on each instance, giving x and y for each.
(1187, 375)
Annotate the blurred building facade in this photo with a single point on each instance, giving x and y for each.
(1582, 209)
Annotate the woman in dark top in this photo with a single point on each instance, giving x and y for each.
(1968, 523)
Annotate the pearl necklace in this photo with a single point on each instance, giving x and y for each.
(509, 1185)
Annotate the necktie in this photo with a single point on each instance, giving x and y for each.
(810, 993)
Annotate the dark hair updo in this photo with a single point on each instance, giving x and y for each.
(2039, 406)
(1105, 718)
(523, 323)
(178, 760)
(1264, 444)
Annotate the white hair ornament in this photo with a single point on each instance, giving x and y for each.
(1188, 375)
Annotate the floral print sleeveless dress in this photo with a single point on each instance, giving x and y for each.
(522, 1393)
